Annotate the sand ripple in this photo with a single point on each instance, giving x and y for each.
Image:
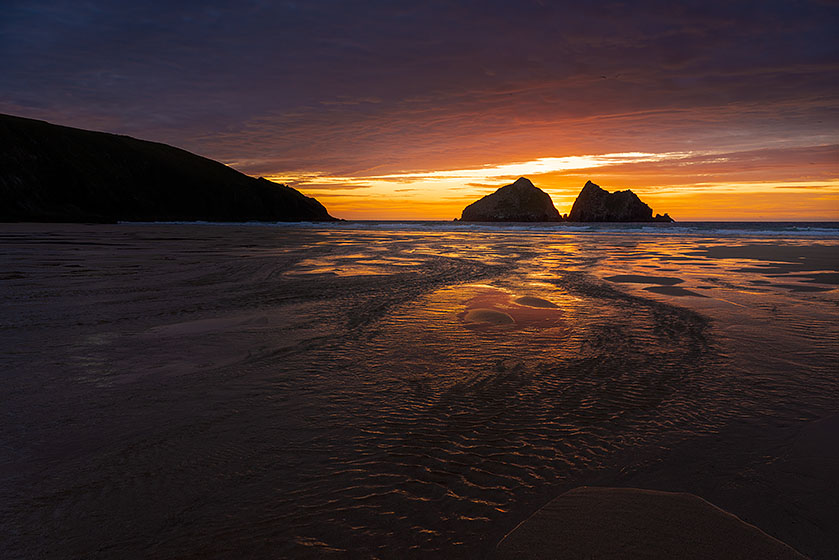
(216, 392)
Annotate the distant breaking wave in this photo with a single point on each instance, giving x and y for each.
(722, 229)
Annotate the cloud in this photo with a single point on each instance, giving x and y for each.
(357, 101)
(351, 91)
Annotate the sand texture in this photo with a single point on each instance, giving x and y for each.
(628, 523)
(354, 391)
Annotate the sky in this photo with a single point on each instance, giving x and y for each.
(412, 110)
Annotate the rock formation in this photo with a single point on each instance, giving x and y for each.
(523, 202)
(518, 202)
(595, 204)
(61, 174)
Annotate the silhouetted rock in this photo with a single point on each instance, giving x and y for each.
(595, 204)
(519, 202)
(61, 174)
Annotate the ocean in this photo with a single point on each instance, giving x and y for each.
(406, 389)
(723, 229)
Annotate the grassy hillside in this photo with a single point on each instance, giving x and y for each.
(57, 173)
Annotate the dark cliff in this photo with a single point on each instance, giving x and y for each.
(595, 204)
(518, 202)
(61, 174)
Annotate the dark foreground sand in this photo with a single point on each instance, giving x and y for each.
(602, 522)
(277, 392)
(628, 523)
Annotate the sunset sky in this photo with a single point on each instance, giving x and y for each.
(411, 110)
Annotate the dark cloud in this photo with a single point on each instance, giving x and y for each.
(366, 87)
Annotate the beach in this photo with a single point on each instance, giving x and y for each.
(405, 390)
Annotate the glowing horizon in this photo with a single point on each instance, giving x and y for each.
(443, 193)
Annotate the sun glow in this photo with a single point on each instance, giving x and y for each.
(688, 185)
(541, 166)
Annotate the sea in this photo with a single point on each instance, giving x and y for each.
(406, 389)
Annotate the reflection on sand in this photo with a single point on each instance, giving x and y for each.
(495, 307)
(333, 266)
(531, 301)
(735, 269)
(197, 391)
(480, 316)
(676, 291)
(639, 279)
(352, 265)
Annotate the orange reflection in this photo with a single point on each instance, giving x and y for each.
(494, 308)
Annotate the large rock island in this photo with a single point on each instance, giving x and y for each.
(61, 174)
(523, 202)
(518, 202)
(595, 204)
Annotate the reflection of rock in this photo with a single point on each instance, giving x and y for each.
(518, 202)
(488, 316)
(531, 301)
(640, 279)
(677, 291)
(595, 204)
(61, 174)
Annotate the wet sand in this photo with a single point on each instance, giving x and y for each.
(633, 524)
(208, 391)
(639, 279)
(676, 291)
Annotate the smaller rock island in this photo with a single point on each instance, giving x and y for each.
(524, 202)
(595, 204)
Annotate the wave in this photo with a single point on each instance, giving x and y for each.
(716, 229)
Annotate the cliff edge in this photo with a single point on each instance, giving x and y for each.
(51, 173)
